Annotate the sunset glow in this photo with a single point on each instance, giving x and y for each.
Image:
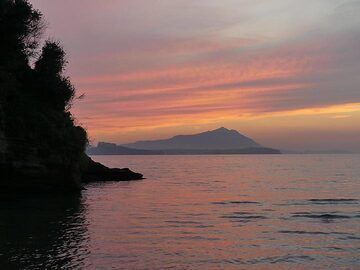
(152, 69)
(180, 134)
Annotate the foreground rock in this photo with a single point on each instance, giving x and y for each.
(36, 175)
(96, 172)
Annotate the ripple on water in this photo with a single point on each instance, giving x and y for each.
(243, 217)
(333, 201)
(236, 202)
(314, 233)
(330, 201)
(271, 260)
(325, 216)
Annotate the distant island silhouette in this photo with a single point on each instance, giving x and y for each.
(40, 144)
(218, 141)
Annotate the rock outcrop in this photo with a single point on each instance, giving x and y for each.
(39, 175)
(95, 171)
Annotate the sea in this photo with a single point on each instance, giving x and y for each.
(194, 212)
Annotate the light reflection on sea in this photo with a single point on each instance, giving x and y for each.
(197, 212)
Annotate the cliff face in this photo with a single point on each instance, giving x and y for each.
(41, 147)
(3, 141)
(38, 145)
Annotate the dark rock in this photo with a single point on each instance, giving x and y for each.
(95, 171)
(37, 176)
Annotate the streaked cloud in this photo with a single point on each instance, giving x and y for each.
(163, 66)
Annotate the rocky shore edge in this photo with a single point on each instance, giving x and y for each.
(37, 177)
(97, 172)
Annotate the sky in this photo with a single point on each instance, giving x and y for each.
(284, 72)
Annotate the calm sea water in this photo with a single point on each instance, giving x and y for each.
(195, 212)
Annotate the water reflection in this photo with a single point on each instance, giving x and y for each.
(43, 232)
(194, 212)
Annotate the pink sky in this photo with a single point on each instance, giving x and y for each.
(283, 72)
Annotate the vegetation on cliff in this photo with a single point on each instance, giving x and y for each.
(39, 138)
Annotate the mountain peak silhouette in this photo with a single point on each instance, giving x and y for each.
(222, 129)
(218, 139)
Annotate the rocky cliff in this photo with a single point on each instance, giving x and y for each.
(40, 144)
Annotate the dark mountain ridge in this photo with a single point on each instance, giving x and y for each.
(218, 139)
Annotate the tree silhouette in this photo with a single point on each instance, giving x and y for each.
(22, 27)
(49, 68)
(52, 60)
